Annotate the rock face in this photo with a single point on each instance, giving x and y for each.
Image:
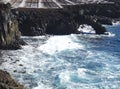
(101, 13)
(53, 21)
(9, 32)
(46, 21)
(66, 20)
(6, 82)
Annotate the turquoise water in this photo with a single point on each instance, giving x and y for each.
(82, 61)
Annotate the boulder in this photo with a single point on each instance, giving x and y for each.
(6, 82)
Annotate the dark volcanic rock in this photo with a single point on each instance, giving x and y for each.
(104, 20)
(60, 27)
(6, 82)
(9, 32)
(102, 13)
(66, 20)
(53, 21)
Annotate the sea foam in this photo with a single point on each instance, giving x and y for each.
(59, 43)
(86, 29)
(76, 61)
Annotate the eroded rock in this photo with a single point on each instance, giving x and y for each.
(9, 31)
(6, 82)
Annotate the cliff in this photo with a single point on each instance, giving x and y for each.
(9, 32)
(53, 21)
(66, 20)
(6, 82)
(101, 13)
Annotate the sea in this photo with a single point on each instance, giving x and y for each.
(75, 61)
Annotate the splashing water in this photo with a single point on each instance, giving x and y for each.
(82, 61)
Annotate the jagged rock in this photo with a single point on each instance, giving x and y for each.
(66, 20)
(9, 31)
(6, 82)
(53, 21)
(102, 13)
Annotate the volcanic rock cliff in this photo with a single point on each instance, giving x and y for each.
(53, 21)
(9, 32)
(101, 13)
(66, 20)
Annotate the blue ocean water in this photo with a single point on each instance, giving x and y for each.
(76, 61)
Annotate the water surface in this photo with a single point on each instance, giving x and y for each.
(82, 61)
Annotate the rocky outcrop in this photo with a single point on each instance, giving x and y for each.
(53, 21)
(44, 21)
(100, 13)
(9, 32)
(6, 82)
(66, 20)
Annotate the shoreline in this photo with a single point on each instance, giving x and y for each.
(7, 82)
(52, 21)
(23, 73)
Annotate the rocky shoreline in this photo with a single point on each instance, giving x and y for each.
(62, 21)
(6, 82)
(9, 39)
(9, 31)
(53, 21)
(66, 20)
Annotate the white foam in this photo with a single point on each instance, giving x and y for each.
(59, 43)
(116, 23)
(81, 72)
(64, 77)
(86, 29)
(42, 86)
(109, 34)
(38, 66)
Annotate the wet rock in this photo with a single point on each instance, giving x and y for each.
(104, 20)
(20, 64)
(15, 71)
(9, 31)
(6, 82)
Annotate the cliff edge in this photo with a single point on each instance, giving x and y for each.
(9, 32)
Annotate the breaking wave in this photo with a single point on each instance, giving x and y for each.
(76, 61)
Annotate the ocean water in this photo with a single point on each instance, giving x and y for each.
(76, 61)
